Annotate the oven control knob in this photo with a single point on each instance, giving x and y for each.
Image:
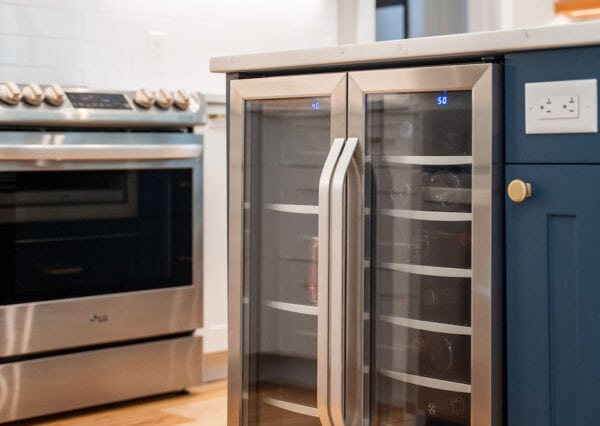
(164, 99)
(33, 94)
(144, 98)
(182, 99)
(10, 93)
(54, 95)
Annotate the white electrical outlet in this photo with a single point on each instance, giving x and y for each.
(156, 41)
(557, 107)
(569, 106)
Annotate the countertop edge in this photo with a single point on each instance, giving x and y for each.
(481, 43)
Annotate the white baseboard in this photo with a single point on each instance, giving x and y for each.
(214, 366)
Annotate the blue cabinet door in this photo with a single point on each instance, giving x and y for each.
(553, 297)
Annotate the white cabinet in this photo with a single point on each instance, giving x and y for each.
(215, 240)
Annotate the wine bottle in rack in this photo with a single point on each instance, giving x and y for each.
(448, 408)
(447, 190)
(436, 243)
(449, 244)
(437, 355)
(419, 247)
(396, 186)
(442, 353)
(441, 296)
(426, 298)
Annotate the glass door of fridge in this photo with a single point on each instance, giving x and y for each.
(428, 141)
(281, 132)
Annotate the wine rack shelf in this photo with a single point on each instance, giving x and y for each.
(436, 327)
(428, 160)
(427, 381)
(294, 208)
(308, 333)
(292, 406)
(428, 215)
(436, 271)
(293, 307)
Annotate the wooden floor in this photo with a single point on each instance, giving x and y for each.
(204, 405)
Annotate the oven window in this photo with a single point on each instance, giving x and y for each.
(81, 233)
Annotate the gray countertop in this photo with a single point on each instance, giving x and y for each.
(483, 43)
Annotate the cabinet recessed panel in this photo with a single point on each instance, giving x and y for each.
(552, 296)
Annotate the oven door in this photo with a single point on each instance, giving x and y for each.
(100, 238)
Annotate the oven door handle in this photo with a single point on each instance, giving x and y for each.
(92, 152)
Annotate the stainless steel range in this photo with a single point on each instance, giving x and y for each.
(100, 246)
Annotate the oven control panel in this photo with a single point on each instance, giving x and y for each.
(54, 105)
(98, 100)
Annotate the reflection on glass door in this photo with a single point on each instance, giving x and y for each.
(286, 143)
(420, 150)
(67, 234)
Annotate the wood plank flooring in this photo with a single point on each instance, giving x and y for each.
(204, 405)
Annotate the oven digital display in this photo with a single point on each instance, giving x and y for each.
(99, 100)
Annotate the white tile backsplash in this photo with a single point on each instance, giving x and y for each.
(65, 76)
(133, 43)
(41, 21)
(15, 50)
(50, 52)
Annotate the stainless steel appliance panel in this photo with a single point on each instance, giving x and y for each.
(273, 334)
(69, 115)
(432, 175)
(431, 140)
(113, 315)
(68, 382)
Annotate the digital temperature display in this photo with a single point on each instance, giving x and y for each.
(98, 100)
(441, 100)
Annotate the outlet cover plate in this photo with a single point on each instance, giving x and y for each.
(537, 119)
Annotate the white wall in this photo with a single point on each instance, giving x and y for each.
(437, 17)
(132, 43)
(484, 15)
(487, 15)
(530, 13)
(215, 227)
(356, 21)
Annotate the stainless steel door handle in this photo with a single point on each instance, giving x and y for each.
(323, 280)
(338, 291)
(56, 152)
(83, 146)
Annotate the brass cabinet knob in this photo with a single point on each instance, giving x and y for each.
(518, 190)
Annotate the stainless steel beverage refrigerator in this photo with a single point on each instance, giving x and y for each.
(365, 248)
